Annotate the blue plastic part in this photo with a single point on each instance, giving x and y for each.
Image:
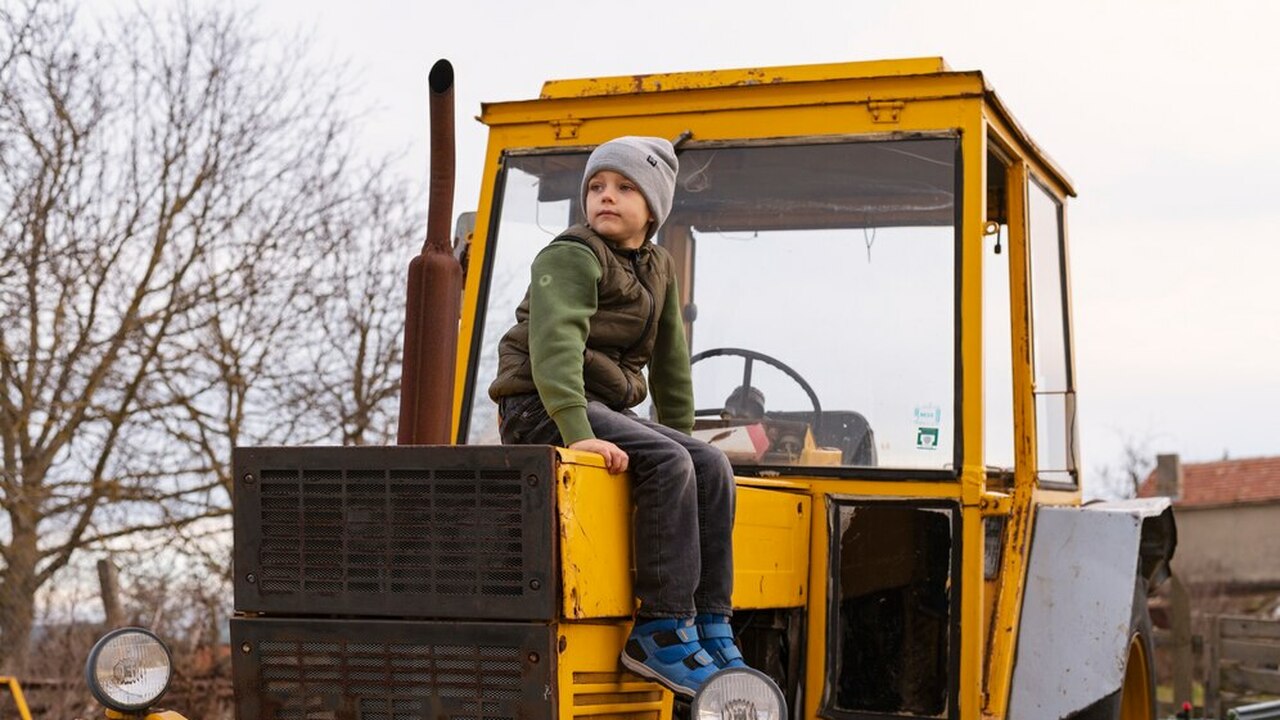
(717, 637)
(664, 650)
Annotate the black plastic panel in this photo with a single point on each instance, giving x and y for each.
(286, 669)
(413, 532)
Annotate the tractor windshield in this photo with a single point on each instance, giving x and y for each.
(820, 294)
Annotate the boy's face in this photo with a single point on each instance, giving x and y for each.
(616, 209)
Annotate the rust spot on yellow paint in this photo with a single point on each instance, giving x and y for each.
(574, 602)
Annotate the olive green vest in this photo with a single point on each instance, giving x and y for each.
(630, 297)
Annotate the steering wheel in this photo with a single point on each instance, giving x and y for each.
(749, 357)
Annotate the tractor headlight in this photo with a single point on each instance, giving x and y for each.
(128, 669)
(739, 694)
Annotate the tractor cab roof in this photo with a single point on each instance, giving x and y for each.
(884, 85)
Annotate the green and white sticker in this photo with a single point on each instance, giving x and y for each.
(930, 415)
(928, 421)
(927, 438)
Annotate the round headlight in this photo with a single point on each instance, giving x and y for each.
(128, 669)
(739, 694)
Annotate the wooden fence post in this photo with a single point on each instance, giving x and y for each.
(110, 594)
(1211, 686)
(1180, 625)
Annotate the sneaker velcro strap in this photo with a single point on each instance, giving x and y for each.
(730, 653)
(679, 636)
(698, 659)
(716, 630)
(666, 638)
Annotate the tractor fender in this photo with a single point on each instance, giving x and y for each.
(1078, 602)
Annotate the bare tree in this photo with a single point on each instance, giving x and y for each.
(346, 372)
(178, 215)
(1124, 478)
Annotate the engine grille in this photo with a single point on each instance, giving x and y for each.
(387, 670)
(427, 532)
(623, 695)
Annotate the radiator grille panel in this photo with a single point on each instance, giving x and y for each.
(437, 537)
(391, 670)
(614, 696)
(441, 532)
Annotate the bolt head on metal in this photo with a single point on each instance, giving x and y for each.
(251, 578)
(533, 657)
(245, 648)
(535, 584)
(248, 478)
(533, 481)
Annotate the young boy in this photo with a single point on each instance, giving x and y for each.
(602, 304)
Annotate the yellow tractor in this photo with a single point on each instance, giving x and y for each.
(874, 273)
(17, 700)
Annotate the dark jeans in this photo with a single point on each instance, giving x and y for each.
(683, 492)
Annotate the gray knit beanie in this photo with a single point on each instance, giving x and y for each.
(650, 163)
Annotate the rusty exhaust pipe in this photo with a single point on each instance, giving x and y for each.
(434, 298)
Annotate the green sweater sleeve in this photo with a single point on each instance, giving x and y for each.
(562, 299)
(670, 379)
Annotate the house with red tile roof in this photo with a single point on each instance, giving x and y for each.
(1228, 514)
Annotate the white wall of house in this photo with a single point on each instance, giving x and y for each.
(1233, 544)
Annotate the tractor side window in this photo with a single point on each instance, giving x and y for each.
(1054, 396)
(536, 205)
(997, 333)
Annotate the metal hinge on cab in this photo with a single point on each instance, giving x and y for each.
(888, 111)
(566, 129)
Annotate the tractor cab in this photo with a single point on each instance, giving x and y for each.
(844, 245)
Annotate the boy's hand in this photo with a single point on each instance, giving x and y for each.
(614, 458)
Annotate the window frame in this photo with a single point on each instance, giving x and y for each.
(1069, 478)
(493, 242)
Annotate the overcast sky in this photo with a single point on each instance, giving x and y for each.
(1161, 112)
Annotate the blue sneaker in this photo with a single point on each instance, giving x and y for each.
(717, 637)
(667, 650)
